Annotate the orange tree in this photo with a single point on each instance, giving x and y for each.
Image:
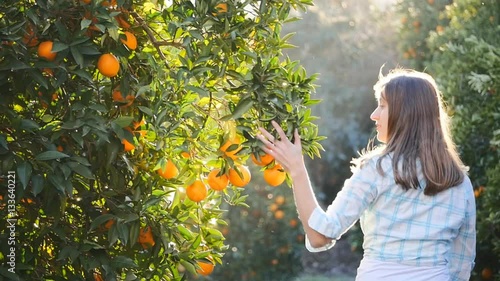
(464, 56)
(266, 240)
(113, 113)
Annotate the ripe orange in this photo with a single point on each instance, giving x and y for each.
(45, 51)
(109, 224)
(107, 3)
(486, 273)
(146, 237)
(197, 191)
(29, 38)
(263, 160)
(130, 41)
(279, 214)
(293, 223)
(221, 8)
(217, 182)
(137, 124)
(231, 147)
(236, 179)
(86, 1)
(108, 65)
(98, 277)
(60, 148)
(117, 96)
(274, 176)
(280, 199)
(123, 23)
(206, 268)
(170, 171)
(273, 207)
(127, 146)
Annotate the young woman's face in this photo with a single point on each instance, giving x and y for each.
(381, 116)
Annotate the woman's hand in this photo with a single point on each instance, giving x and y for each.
(287, 154)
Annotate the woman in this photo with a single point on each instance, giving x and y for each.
(412, 195)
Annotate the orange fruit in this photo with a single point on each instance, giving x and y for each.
(45, 51)
(273, 207)
(293, 223)
(221, 8)
(280, 199)
(231, 147)
(137, 124)
(262, 160)
(109, 224)
(217, 182)
(185, 154)
(127, 146)
(86, 1)
(130, 41)
(117, 96)
(60, 148)
(274, 176)
(123, 23)
(98, 277)
(197, 191)
(29, 38)
(236, 179)
(486, 273)
(108, 65)
(279, 214)
(146, 237)
(107, 3)
(170, 171)
(206, 268)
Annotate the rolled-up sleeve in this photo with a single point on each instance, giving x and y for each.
(356, 195)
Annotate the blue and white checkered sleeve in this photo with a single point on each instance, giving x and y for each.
(358, 192)
(463, 250)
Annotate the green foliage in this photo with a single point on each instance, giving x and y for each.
(465, 60)
(266, 239)
(82, 158)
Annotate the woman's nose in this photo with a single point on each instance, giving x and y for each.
(374, 115)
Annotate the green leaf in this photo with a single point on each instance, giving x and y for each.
(77, 56)
(81, 170)
(146, 110)
(123, 262)
(100, 220)
(59, 46)
(124, 121)
(243, 106)
(29, 125)
(50, 155)
(36, 184)
(24, 173)
(3, 142)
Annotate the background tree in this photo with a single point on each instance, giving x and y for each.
(113, 113)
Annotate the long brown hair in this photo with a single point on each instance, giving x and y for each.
(418, 131)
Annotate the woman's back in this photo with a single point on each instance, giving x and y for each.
(410, 228)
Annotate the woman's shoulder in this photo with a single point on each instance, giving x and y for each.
(374, 159)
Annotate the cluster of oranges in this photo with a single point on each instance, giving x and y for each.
(238, 175)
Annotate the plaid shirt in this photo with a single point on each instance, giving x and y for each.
(401, 226)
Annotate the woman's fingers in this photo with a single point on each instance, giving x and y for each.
(280, 131)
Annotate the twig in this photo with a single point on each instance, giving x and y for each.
(151, 35)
